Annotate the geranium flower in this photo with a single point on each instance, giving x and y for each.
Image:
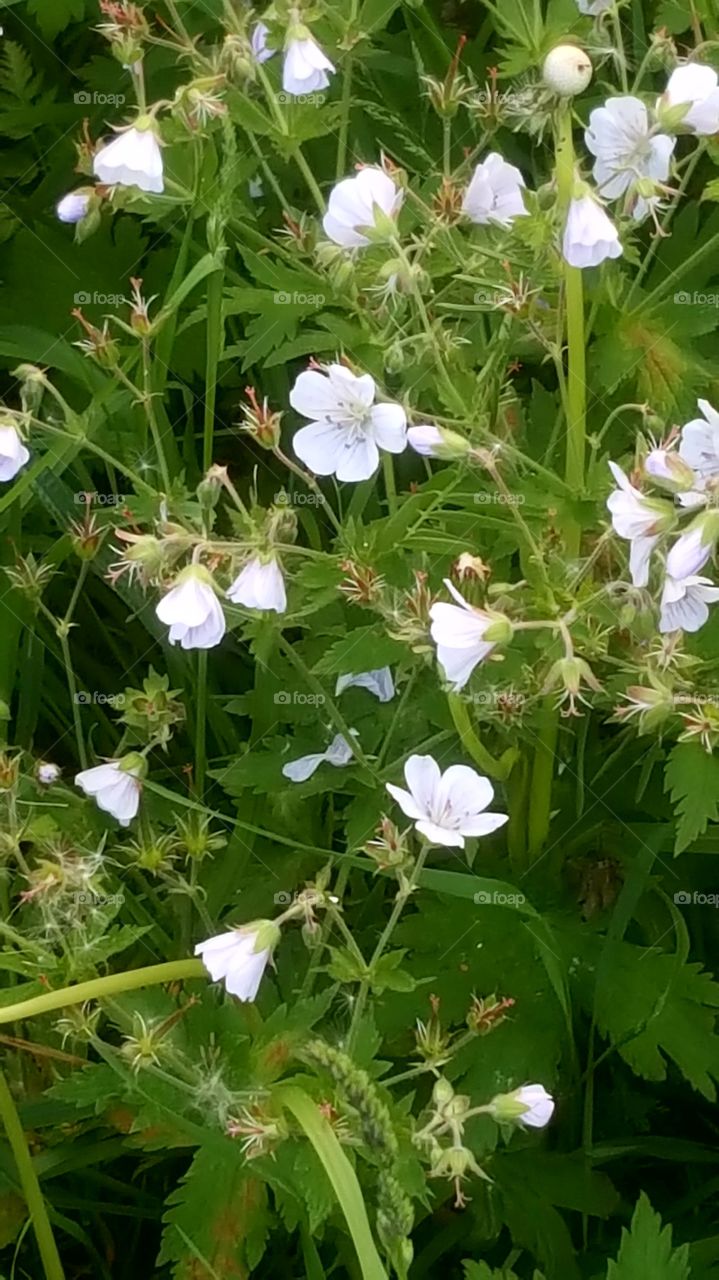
(378, 682)
(13, 454)
(305, 67)
(620, 137)
(258, 43)
(594, 7)
(697, 87)
(494, 193)
(132, 159)
(464, 635)
(192, 611)
(590, 236)
(684, 603)
(641, 520)
(530, 1105)
(431, 441)
(347, 429)
(354, 206)
(339, 753)
(239, 958)
(692, 550)
(699, 445)
(260, 585)
(447, 808)
(73, 207)
(115, 786)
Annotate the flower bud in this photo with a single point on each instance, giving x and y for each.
(442, 1093)
(531, 1105)
(567, 70)
(669, 471)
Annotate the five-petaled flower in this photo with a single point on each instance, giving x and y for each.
(494, 193)
(239, 958)
(362, 209)
(447, 808)
(192, 611)
(347, 428)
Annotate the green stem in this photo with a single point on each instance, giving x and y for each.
(447, 146)
(389, 484)
(576, 353)
(309, 178)
(72, 690)
(540, 803)
(149, 406)
(345, 119)
(215, 338)
(499, 769)
(34, 1199)
(99, 988)
(454, 398)
(201, 724)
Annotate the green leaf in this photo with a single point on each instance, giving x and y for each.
(340, 1173)
(217, 1217)
(364, 649)
(646, 1249)
(692, 778)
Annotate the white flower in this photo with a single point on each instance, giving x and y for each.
(258, 43)
(354, 204)
(447, 808)
(438, 442)
(115, 786)
(339, 753)
(379, 682)
(700, 442)
(260, 585)
(692, 550)
(696, 86)
(639, 519)
(73, 207)
(305, 66)
(567, 70)
(620, 137)
(13, 454)
(47, 773)
(132, 159)
(594, 7)
(239, 958)
(347, 429)
(460, 634)
(669, 470)
(192, 611)
(684, 603)
(531, 1105)
(494, 193)
(590, 236)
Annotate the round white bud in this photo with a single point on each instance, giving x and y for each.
(567, 70)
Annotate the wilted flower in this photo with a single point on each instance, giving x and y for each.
(641, 520)
(115, 786)
(447, 808)
(465, 635)
(494, 193)
(339, 753)
(620, 136)
(650, 706)
(700, 442)
(695, 87)
(531, 1105)
(684, 603)
(361, 210)
(13, 454)
(305, 68)
(567, 70)
(73, 207)
(132, 159)
(239, 958)
(192, 611)
(590, 236)
(378, 682)
(347, 429)
(260, 585)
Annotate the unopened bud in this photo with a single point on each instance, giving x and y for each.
(567, 70)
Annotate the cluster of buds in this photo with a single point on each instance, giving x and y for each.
(126, 28)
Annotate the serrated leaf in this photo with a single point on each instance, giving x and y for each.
(691, 777)
(364, 649)
(646, 1249)
(217, 1217)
